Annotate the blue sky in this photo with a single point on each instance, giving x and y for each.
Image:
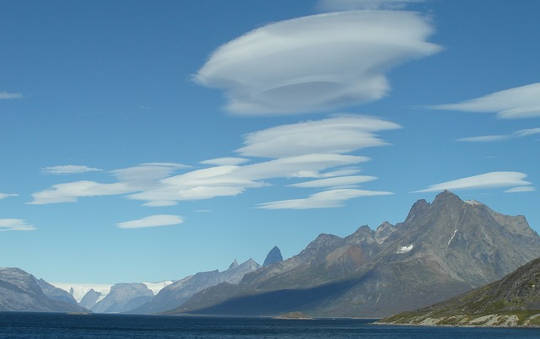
(107, 110)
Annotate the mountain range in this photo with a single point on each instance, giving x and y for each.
(442, 249)
(177, 293)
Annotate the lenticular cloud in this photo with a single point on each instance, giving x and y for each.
(315, 62)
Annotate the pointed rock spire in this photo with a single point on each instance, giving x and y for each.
(234, 264)
(274, 256)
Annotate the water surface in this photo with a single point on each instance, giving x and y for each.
(50, 325)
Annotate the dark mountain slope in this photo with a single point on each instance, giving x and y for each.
(21, 292)
(511, 301)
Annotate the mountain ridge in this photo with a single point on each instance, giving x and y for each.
(447, 243)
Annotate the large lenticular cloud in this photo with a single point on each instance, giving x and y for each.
(316, 62)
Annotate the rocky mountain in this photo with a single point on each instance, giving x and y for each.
(274, 256)
(511, 301)
(176, 294)
(442, 249)
(90, 299)
(56, 293)
(22, 292)
(124, 297)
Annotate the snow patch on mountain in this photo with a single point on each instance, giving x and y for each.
(155, 287)
(405, 249)
(78, 291)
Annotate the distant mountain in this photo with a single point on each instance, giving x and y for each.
(511, 301)
(56, 293)
(274, 256)
(22, 292)
(442, 249)
(90, 299)
(79, 290)
(124, 297)
(177, 293)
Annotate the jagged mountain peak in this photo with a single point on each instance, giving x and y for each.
(274, 256)
(384, 225)
(384, 231)
(418, 208)
(447, 198)
(363, 235)
(324, 240)
(233, 264)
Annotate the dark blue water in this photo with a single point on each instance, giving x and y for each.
(46, 325)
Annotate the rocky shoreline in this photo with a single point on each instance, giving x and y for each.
(488, 320)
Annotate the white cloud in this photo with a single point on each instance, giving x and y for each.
(316, 62)
(7, 195)
(527, 132)
(345, 5)
(521, 189)
(489, 138)
(325, 199)
(131, 179)
(485, 138)
(152, 221)
(340, 172)
(69, 169)
(486, 180)
(15, 225)
(70, 192)
(336, 182)
(514, 103)
(147, 174)
(225, 161)
(7, 95)
(341, 134)
(310, 149)
(232, 180)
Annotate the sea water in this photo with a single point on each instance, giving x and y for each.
(52, 325)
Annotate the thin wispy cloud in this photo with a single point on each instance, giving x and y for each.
(326, 199)
(485, 138)
(317, 62)
(341, 134)
(131, 179)
(72, 191)
(520, 189)
(345, 5)
(310, 150)
(225, 161)
(15, 225)
(491, 138)
(8, 95)
(222, 181)
(527, 132)
(152, 221)
(513, 103)
(486, 180)
(336, 181)
(7, 195)
(69, 169)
